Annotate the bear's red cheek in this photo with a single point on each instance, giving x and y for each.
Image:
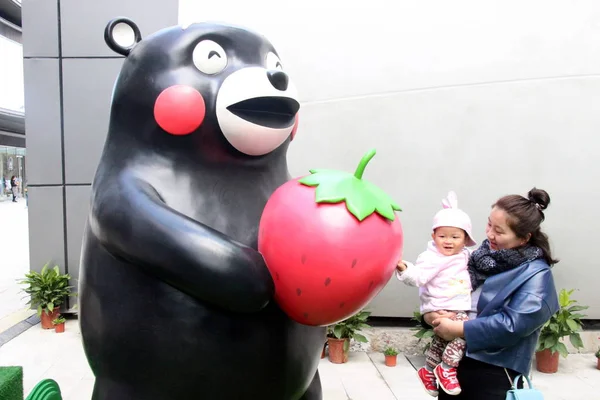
(179, 110)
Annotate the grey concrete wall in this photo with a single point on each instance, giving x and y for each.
(69, 75)
(484, 114)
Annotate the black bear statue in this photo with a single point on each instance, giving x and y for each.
(175, 301)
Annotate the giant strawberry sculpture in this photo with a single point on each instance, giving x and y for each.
(331, 241)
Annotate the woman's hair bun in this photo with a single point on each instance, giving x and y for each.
(540, 197)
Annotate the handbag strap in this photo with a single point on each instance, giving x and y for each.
(513, 384)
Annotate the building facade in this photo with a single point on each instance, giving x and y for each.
(69, 75)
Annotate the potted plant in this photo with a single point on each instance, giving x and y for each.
(565, 322)
(323, 353)
(340, 334)
(598, 358)
(421, 332)
(391, 356)
(48, 289)
(59, 324)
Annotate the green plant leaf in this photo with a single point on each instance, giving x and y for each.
(577, 308)
(360, 338)
(562, 349)
(578, 316)
(337, 331)
(550, 341)
(576, 341)
(573, 325)
(362, 316)
(420, 333)
(540, 346)
(563, 298)
(346, 345)
(390, 351)
(428, 333)
(427, 346)
(362, 198)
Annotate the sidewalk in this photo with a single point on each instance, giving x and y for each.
(45, 354)
(14, 237)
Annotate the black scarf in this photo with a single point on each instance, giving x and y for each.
(485, 262)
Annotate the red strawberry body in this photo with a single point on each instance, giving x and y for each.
(327, 264)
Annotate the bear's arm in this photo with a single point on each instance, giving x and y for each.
(132, 222)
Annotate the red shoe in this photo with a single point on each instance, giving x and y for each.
(428, 380)
(447, 380)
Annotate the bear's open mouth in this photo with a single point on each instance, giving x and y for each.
(271, 112)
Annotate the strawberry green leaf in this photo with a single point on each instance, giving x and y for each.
(362, 198)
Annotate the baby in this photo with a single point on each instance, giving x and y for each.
(443, 280)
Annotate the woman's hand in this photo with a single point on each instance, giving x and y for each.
(448, 329)
(430, 317)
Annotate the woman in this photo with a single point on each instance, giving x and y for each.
(513, 296)
(13, 186)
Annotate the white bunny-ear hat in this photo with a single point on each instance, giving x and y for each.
(451, 215)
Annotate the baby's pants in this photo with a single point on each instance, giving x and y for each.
(449, 352)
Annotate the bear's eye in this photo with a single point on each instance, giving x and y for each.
(273, 62)
(209, 57)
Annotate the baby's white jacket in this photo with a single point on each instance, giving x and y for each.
(443, 281)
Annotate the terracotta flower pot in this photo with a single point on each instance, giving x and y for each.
(338, 350)
(323, 352)
(48, 318)
(598, 360)
(60, 328)
(547, 362)
(390, 361)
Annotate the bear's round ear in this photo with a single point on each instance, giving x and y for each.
(121, 35)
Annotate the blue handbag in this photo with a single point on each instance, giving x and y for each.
(522, 394)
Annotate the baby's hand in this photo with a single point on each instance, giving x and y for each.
(401, 266)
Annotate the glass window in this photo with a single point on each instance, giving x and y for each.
(12, 92)
(12, 163)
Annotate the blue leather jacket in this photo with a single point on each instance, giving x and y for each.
(511, 310)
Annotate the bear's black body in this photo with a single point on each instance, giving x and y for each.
(175, 301)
